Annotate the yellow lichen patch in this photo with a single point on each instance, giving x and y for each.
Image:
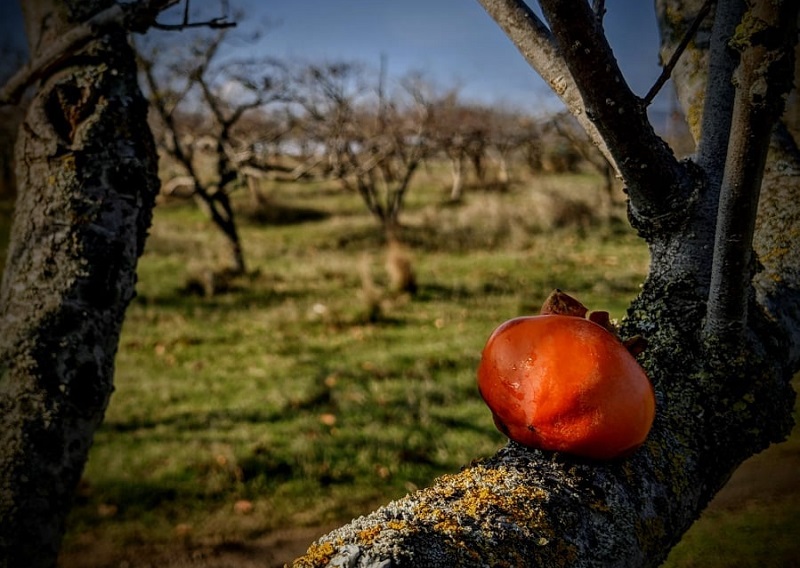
(773, 255)
(370, 534)
(318, 554)
(483, 493)
(396, 525)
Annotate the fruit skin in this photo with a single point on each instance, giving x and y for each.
(565, 383)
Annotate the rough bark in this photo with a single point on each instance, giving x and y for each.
(719, 402)
(86, 168)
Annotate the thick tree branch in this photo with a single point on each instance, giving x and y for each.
(775, 242)
(767, 37)
(525, 507)
(133, 16)
(534, 41)
(657, 184)
(719, 94)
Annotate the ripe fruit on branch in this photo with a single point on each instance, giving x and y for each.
(566, 382)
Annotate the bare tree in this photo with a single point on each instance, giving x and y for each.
(461, 132)
(373, 141)
(719, 307)
(200, 103)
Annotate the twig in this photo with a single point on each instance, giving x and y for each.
(132, 16)
(673, 60)
(213, 23)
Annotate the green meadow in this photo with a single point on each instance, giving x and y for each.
(306, 392)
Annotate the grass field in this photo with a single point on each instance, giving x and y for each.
(279, 402)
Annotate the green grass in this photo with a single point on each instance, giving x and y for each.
(280, 392)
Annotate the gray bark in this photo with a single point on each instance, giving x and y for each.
(719, 399)
(86, 174)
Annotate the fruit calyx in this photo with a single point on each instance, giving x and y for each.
(562, 304)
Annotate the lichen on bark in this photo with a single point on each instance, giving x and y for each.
(86, 188)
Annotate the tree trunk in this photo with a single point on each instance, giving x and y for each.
(457, 170)
(86, 174)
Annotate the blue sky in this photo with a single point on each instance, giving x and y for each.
(454, 42)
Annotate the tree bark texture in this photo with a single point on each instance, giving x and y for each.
(86, 174)
(718, 401)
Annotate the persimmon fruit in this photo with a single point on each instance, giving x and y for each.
(566, 383)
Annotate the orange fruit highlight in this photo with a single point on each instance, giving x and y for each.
(565, 383)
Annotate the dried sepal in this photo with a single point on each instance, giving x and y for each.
(562, 304)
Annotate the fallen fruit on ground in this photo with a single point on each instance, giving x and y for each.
(566, 383)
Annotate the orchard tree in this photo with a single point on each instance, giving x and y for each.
(86, 173)
(199, 101)
(719, 308)
(460, 131)
(374, 141)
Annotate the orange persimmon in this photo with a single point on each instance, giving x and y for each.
(566, 383)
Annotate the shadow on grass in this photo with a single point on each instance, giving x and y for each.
(196, 421)
(278, 214)
(234, 296)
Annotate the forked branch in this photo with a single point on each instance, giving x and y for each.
(536, 44)
(656, 182)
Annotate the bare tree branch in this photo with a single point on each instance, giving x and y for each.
(534, 41)
(667, 70)
(656, 182)
(767, 37)
(134, 16)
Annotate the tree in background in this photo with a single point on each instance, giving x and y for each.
(461, 132)
(719, 306)
(373, 141)
(199, 100)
